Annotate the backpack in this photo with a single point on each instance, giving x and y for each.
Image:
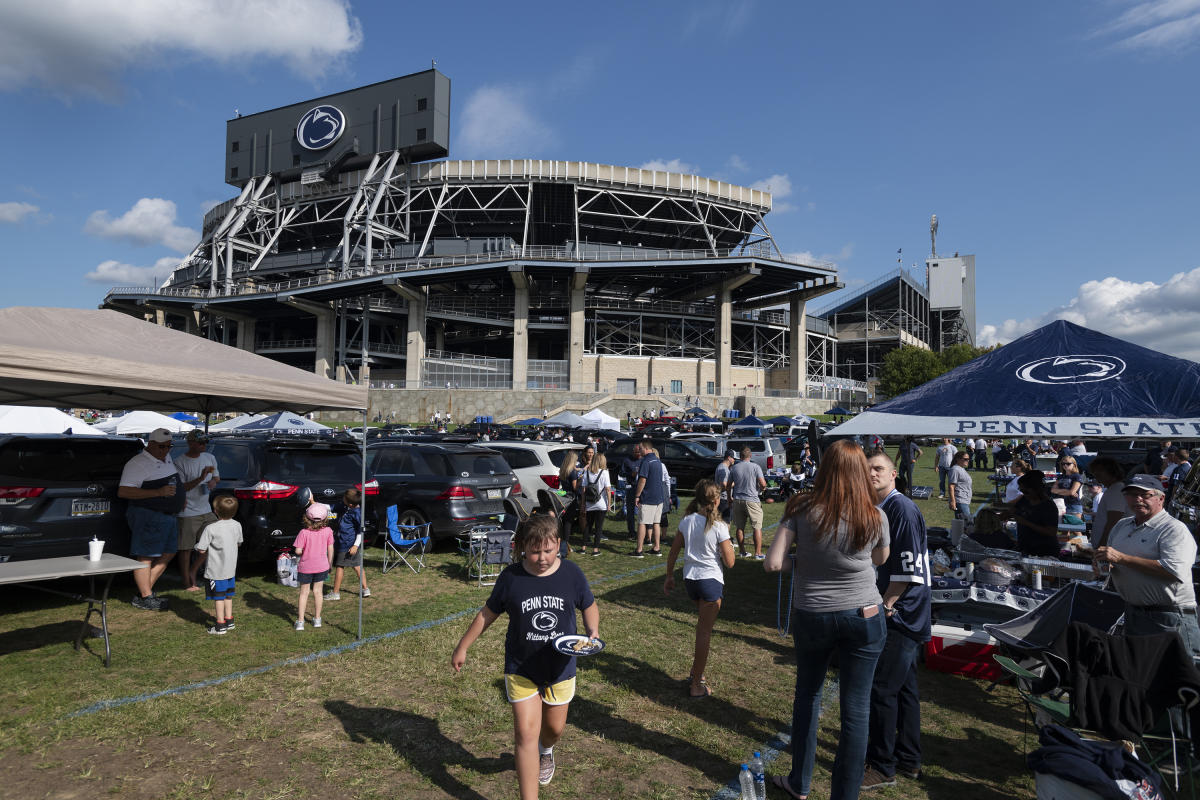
(591, 492)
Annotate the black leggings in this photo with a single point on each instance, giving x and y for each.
(595, 527)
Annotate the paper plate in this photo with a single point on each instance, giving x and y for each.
(574, 645)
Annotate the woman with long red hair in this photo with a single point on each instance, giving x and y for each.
(840, 537)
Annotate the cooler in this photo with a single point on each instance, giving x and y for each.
(962, 652)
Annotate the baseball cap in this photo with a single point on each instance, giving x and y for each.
(159, 435)
(317, 511)
(197, 435)
(731, 454)
(1144, 483)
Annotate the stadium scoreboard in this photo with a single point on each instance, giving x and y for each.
(318, 138)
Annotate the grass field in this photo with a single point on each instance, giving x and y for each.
(387, 718)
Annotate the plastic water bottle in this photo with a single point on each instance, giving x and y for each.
(758, 773)
(746, 781)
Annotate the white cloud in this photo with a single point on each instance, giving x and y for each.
(150, 221)
(1157, 25)
(15, 212)
(737, 163)
(113, 272)
(499, 122)
(674, 165)
(82, 46)
(1161, 316)
(780, 186)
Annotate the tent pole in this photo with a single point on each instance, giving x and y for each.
(362, 576)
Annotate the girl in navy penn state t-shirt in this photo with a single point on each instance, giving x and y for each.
(540, 594)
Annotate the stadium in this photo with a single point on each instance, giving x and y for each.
(354, 248)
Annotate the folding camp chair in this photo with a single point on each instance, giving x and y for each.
(405, 543)
(495, 554)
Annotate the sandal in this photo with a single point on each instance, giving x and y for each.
(780, 783)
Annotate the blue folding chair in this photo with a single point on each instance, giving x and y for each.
(405, 543)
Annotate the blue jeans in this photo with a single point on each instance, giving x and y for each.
(942, 473)
(1140, 622)
(858, 641)
(896, 707)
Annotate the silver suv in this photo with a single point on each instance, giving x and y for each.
(767, 452)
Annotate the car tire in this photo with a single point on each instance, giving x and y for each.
(411, 516)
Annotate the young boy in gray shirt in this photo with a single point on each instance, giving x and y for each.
(220, 541)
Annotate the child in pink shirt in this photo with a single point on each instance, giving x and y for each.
(314, 545)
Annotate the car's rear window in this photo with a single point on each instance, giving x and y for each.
(66, 460)
(518, 457)
(314, 466)
(700, 448)
(478, 464)
(557, 457)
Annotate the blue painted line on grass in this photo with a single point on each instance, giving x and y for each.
(104, 705)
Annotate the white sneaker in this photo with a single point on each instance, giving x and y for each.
(333, 596)
(299, 624)
(316, 622)
(366, 592)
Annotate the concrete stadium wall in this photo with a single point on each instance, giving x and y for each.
(418, 405)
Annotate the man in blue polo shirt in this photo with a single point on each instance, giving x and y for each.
(894, 743)
(648, 497)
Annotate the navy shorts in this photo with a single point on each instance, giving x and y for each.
(220, 590)
(311, 577)
(709, 590)
(154, 534)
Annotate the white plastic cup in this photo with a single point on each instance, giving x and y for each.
(95, 548)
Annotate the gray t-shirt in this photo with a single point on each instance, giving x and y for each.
(722, 477)
(827, 578)
(745, 476)
(963, 486)
(220, 539)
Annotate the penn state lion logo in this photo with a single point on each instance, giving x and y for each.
(544, 621)
(1059, 370)
(320, 127)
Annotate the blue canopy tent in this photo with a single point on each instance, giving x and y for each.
(183, 416)
(749, 422)
(838, 411)
(530, 421)
(696, 410)
(1061, 381)
(285, 422)
(703, 418)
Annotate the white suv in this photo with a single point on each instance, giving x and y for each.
(768, 453)
(536, 464)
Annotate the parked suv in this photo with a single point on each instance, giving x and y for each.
(268, 475)
(454, 486)
(687, 462)
(536, 464)
(767, 452)
(57, 492)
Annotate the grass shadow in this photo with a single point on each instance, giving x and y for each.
(419, 741)
(271, 605)
(21, 639)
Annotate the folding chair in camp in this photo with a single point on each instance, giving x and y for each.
(405, 543)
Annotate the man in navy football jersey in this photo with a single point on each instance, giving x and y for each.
(894, 745)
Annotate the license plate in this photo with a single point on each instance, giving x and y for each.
(90, 508)
(495, 494)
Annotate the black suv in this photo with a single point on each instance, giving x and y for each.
(454, 486)
(687, 462)
(57, 491)
(268, 475)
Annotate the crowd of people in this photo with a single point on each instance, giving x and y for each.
(855, 544)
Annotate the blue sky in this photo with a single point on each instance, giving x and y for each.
(1055, 141)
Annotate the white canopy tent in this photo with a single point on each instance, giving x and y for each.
(598, 419)
(42, 419)
(564, 419)
(236, 422)
(136, 423)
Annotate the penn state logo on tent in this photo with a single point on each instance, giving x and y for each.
(1062, 370)
(320, 127)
